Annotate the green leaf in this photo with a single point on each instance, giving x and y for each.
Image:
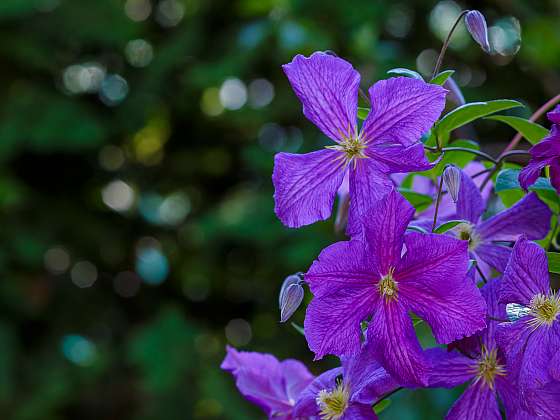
(298, 328)
(441, 78)
(553, 262)
(468, 113)
(363, 113)
(507, 186)
(444, 227)
(406, 72)
(381, 405)
(419, 201)
(458, 158)
(532, 131)
(417, 229)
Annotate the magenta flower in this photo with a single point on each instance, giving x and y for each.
(370, 277)
(479, 362)
(347, 392)
(531, 343)
(530, 217)
(272, 385)
(545, 153)
(402, 110)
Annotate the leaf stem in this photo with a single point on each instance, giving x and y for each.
(446, 44)
(463, 149)
(538, 113)
(438, 199)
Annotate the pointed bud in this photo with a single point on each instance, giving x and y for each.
(291, 296)
(452, 181)
(476, 25)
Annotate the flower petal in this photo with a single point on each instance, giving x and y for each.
(555, 174)
(396, 158)
(384, 229)
(402, 109)
(497, 256)
(470, 204)
(449, 368)
(545, 402)
(306, 405)
(511, 398)
(476, 403)
(529, 174)
(526, 274)
(529, 217)
(332, 322)
(327, 87)
(368, 185)
(305, 186)
(433, 283)
(392, 339)
(359, 412)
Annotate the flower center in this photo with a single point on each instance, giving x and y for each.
(544, 309)
(465, 232)
(487, 367)
(352, 148)
(333, 403)
(387, 286)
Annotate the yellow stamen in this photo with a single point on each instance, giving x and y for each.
(352, 147)
(544, 309)
(487, 367)
(387, 286)
(333, 403)
(465, 232)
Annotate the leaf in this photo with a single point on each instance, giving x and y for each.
(444, 227)
(470, 112)
(363, 113)
(416, 229)
(553, 262)
(406, 72)
(507, 186)
(532, 131)
(298, 328)
(419, 201)
(442, 77)
(458, 158)
(381, 405)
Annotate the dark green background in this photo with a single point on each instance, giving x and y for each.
(90, 353)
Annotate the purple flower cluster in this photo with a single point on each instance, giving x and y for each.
(501, 339)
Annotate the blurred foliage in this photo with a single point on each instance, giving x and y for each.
(138, 234)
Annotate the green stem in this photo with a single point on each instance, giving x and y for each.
(438, 199)
(446, 44)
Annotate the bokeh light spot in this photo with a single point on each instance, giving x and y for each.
(261, 93)
(233, 94)
(79, 350)
(118, 195)
(57, 260)
(138, 10)
(127, 284)
(139, 52)
(238, 332)
(83, 274)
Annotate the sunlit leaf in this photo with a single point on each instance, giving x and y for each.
(444, 227)
(363, 113)
(406, 72)
(442, 77)
(532, 131)
(553, 262)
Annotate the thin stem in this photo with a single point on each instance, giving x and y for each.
(438, 199)
(554, 233)
(481, 274)
(446, 44)
(473, 151)
(490, 175)
(480, 173)
(491, 318)
(506, 155)
(387, 395)
(364, 96)
(538, 113)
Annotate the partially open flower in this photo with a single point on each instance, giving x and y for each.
(452, 180)
(476, 25)
(291, 295)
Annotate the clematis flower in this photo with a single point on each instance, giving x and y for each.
(481, 363)
(370, 277)
(347, 392)
(545, 153)
(402, 109)
(531, 343)
(272, 385)
(530, 217)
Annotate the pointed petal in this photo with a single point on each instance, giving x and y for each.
(327, 87)
(545, 402)
(385, 226)
(359, 412)
(497, 256)
(449, 368)
(526, 274)
(305, 186)
(495, 310)
(477, 402)
(529, 217)
(470, 204)
(402, 109)
(306, 405)
(332, 322)
(529, 174)
(392, 339)
(555, 174)
(396, 158)
(511, 397)
(296, 377)
(368, 185)
(433, 283)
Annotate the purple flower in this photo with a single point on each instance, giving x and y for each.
(402, 110)
(479, 362)
(530, 217)
(531, 343)
(370, 277)
(545, 153)
(476, 25)
(347, 392)
(272, 385)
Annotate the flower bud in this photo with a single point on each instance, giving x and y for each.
(291, 295)
(452, 180)
(476, 25)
